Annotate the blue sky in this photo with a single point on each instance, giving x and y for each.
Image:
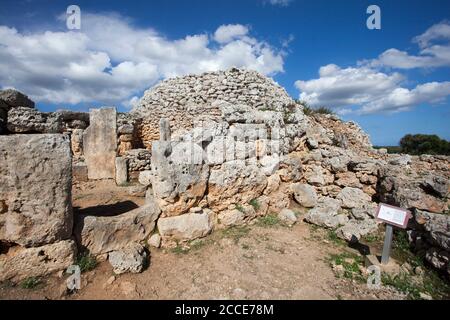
(391, 81)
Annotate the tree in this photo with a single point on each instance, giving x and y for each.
(424, 144)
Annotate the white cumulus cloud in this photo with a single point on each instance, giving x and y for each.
(366, 88)
(434, 51)
(227, 33)
(110, 60)
(370, 90)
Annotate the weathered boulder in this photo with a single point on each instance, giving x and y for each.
(327, 213)
(353, 198)
(26, 120)
(35, 188)
(132, 259)
(436, 227)
(100, 143)
(347, 179)
(20, 263)
(287, 216)
(235, 182)
(353, 230)
(155, 240)
(185, 227)
(14, 98)
(105, 234)
(304, 194)
(145, 177)
(318, 176)
(121, 171)
(367, 211)
(231, 217)
(403, 187)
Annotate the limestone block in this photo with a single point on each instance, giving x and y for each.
(185, 227)
(121, 171)
(104, 234)
(20, 263)
(35, 186)
(100, 143)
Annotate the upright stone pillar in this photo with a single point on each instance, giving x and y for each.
(100, 144)
(164, 129)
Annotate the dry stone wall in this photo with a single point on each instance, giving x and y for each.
(185, 99)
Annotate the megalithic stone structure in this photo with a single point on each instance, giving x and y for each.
(100, 143)
(164, 129)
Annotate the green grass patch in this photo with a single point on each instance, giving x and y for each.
(179, 249)
(255, 204)
(86, 262)
(351, 264)
(269, 220)
(332, 236)
(30, 283)
(372, 238)
(236, 233)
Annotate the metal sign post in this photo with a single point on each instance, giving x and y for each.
(393, 216)
(387, 244)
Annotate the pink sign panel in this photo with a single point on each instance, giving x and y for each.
(396, 216)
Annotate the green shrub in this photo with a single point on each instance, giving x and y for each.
(424, 144)
(309, 111)
(30, 283)
(269, 220)
(86, 262)
(255, 204)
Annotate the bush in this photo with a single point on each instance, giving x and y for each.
(30, 283)
(424, 144)
(86, 262)
(308, 110)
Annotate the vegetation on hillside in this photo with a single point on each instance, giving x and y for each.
(424, 144)
(309, 110)
(418, 144)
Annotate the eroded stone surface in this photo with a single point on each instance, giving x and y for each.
(21, 263)
(105, 234)
(100, 143)
(35, 187)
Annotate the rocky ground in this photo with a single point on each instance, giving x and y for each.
(265, 260)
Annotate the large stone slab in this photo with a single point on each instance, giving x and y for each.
(100, 143)
(185, 227)
(105, 234)
(26, 120)
(20, 263)
(35, 189)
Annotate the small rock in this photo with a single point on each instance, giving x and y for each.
(155, 240)
(287, 216)
(304, 194)
(131, 259)
(196, 210)
(111, 280)
(339, 270)
(425, 296)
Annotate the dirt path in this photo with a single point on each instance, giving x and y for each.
(253, 262)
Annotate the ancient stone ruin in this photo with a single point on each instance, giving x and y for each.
(207, 152)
